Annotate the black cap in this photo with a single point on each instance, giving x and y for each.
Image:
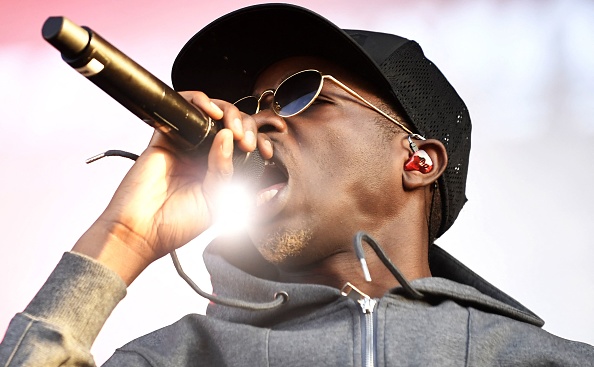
(224, 59)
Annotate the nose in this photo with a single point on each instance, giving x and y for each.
(269, 122)
(270, 127)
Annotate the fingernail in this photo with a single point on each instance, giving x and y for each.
(217, 109)
(250, 138)
(227, 148)
(237, 125)
(268, 146)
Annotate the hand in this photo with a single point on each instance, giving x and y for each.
(165, 200)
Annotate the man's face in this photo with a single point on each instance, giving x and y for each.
(334, 171)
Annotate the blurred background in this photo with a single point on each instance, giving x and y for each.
(525, 69)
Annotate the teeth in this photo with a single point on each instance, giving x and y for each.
(265, 197)
(269, 163)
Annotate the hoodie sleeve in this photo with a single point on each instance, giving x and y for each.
(62, 321)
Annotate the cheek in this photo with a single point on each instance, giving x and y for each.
(358, 176)
(375, 194)
(348, 161)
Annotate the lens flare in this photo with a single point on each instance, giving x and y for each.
(232, 208)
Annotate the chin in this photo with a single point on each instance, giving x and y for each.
(284, 246)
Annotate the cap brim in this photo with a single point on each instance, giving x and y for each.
(224, 59)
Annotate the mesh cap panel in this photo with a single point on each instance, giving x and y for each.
(437, 112)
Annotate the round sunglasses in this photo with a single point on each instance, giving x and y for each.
(297, 92)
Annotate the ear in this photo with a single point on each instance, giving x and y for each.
(414, 179)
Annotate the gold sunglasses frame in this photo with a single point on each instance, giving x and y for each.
(337, 82)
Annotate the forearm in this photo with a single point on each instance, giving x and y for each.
(62, 321)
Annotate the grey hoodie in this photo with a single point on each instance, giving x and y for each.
(461, 321)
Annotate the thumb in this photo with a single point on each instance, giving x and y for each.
(220, 165)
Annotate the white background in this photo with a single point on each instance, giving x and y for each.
(524, 68)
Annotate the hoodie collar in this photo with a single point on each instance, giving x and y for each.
(228, 280)
(245, 275)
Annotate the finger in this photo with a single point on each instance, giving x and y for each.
(202, 102)
(232, 118)
(220, 163)
(265, 146)
(250, 131)
(243, 126)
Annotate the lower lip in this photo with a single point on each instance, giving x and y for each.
(269, 195)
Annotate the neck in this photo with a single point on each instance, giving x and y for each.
(342, 267)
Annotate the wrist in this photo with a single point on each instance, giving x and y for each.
(116, 247)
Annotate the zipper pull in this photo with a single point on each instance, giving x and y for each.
(367, 303)
(367, 306)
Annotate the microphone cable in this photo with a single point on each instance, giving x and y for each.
(358, 243)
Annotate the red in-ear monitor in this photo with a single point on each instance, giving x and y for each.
(420, 160)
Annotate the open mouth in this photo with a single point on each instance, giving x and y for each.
(273, 179)
(274, 173)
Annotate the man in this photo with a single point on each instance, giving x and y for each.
(360, 133)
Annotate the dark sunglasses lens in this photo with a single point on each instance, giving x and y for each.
(247, 105)
(296, 93)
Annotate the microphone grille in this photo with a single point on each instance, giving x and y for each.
(248, 167)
